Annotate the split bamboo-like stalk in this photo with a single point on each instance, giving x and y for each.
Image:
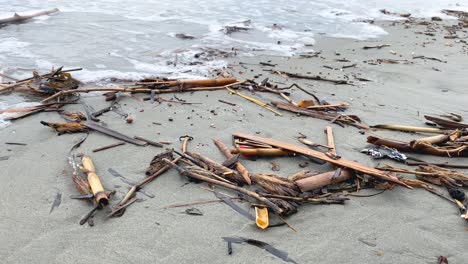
(322, 156)
(94, 181)
(254, 195)
(239, 167)
(255, 101)
(323, 179)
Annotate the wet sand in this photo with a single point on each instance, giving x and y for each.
(398, 226)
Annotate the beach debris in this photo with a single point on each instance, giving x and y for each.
(255, 101)
(447, 124)
(384, 152)
(185, 139)
(109, 146)
(310, 77)
(57, 201)
(332, 116)
(102, 199)
(239, 167)
(274, 166)
(260, 244)
(112, 133)
(428, 58)
(386, 12)
(193, 211)
(158, 86)
(442, 260)
(18, 18)
(261, 217)
(150, 142)
(376, 46)
(227, 200)
(352, 165)
(439, 145)
(129, 182)
(386, 61)
(4, 158)
(226, 102)
(184, 36)
(16, 143)
(63, 128)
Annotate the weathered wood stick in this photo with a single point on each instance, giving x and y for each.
(411, 129)
(327, 106)
(239, 167)
(194, 83)
(17, 18)
(109, 146)
(150, 142)
(322, 156)
(262, 151)
(219, 168)
(138, 90)
(146, 180)
(254, 195)
(94, 181)
(330, 141)
(255, 101)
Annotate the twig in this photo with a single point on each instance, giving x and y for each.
(109, 146)
(255, 101)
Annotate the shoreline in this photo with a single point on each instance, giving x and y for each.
(398, 226)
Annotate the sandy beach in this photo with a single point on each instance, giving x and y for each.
(397, 226)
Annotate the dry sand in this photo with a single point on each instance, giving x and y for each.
(404, 226)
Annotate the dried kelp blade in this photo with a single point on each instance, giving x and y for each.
(234, 206)
(57, 201)
(260, 244)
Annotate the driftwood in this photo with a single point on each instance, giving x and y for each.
(376, 46)
(139, 90)
(411, 129)
(419, 146)
(62, 128)
(217, 168)
(446, 124)
(329, 116)
(310, 77)
(18, 18)
(254, 195)
(194, 83)
(262, 152)
(112, 133)
(239, 167)
(322, 156)
(109, 146)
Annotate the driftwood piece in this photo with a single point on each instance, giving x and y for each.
(194, 83)
(310, 77)
(239, 167)
(330, 141)
(70, 127)
(113, 133)
(262, 152)
(254, 195)
(411, 129)
(376, 46)
(352, 165)
(138, 90)
(109, 146)
(420, 147)
(218, 168)
(18, 18)
(329, 116)
(446, 124)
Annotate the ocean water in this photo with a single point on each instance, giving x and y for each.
(134, 39)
